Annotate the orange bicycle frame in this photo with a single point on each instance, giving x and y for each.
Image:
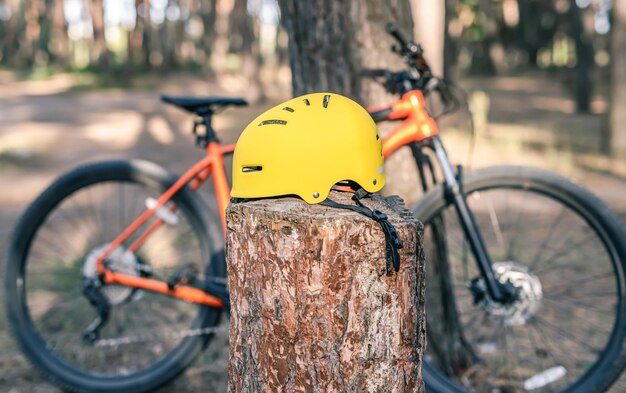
(213, 164)
(416, 126)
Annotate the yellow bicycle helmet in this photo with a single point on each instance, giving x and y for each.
(305, 146)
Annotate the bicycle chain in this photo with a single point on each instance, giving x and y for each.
(116, 342)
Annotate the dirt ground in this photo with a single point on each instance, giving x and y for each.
(47, 128)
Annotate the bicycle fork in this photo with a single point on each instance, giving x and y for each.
(453, 188)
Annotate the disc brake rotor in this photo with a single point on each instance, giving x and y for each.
(529, 294)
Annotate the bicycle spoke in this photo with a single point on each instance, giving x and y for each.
(546, 240)
(574, 303)
(578, 283)
(564, 334)
(566, 250)
(513, 239)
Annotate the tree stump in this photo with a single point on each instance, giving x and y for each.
(314, 305)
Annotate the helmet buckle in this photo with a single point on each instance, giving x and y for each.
(378, 215)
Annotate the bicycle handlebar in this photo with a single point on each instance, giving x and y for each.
(417, 77)
(374, 73)
(381, 115)
(392, 30)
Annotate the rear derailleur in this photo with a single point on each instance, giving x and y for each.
(91, 290)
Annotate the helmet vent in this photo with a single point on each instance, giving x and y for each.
(288, 109)
(325, 102)
(266, 122)
(306, 101)
(252, 168)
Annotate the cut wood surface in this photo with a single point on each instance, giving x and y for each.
(315, 307)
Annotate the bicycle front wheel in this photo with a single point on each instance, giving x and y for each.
(150, 338)
(564, 252)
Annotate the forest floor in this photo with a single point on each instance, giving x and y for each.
(49, 127)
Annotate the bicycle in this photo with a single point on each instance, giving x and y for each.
(481, 287)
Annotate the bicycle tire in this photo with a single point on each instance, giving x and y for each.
(611, 360)
(71, 376)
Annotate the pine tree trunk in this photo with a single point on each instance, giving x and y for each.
(312, 308)
(331, 41)
(30, 43)
(133, 45)
(99, 51)
(59, 38)
(219, 53)
(430, 25)
(208, 13)
(584, 56)
(146, 33)
(9, 31)
(243, 26)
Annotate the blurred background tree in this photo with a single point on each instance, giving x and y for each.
(483, 37)
(121, 38)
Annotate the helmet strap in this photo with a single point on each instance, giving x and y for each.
(391, 236)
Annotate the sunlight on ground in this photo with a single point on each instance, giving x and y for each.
(117, 129)
(24, 139)
(54, 85)
(160, 130)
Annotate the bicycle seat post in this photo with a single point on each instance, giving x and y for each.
(209, 135)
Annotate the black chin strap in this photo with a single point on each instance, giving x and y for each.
(391, 236)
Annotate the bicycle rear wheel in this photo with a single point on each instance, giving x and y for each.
(563, 250)
(149, 338)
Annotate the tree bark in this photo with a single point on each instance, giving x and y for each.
(311, 306)
(618, 81)
(331, 41)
